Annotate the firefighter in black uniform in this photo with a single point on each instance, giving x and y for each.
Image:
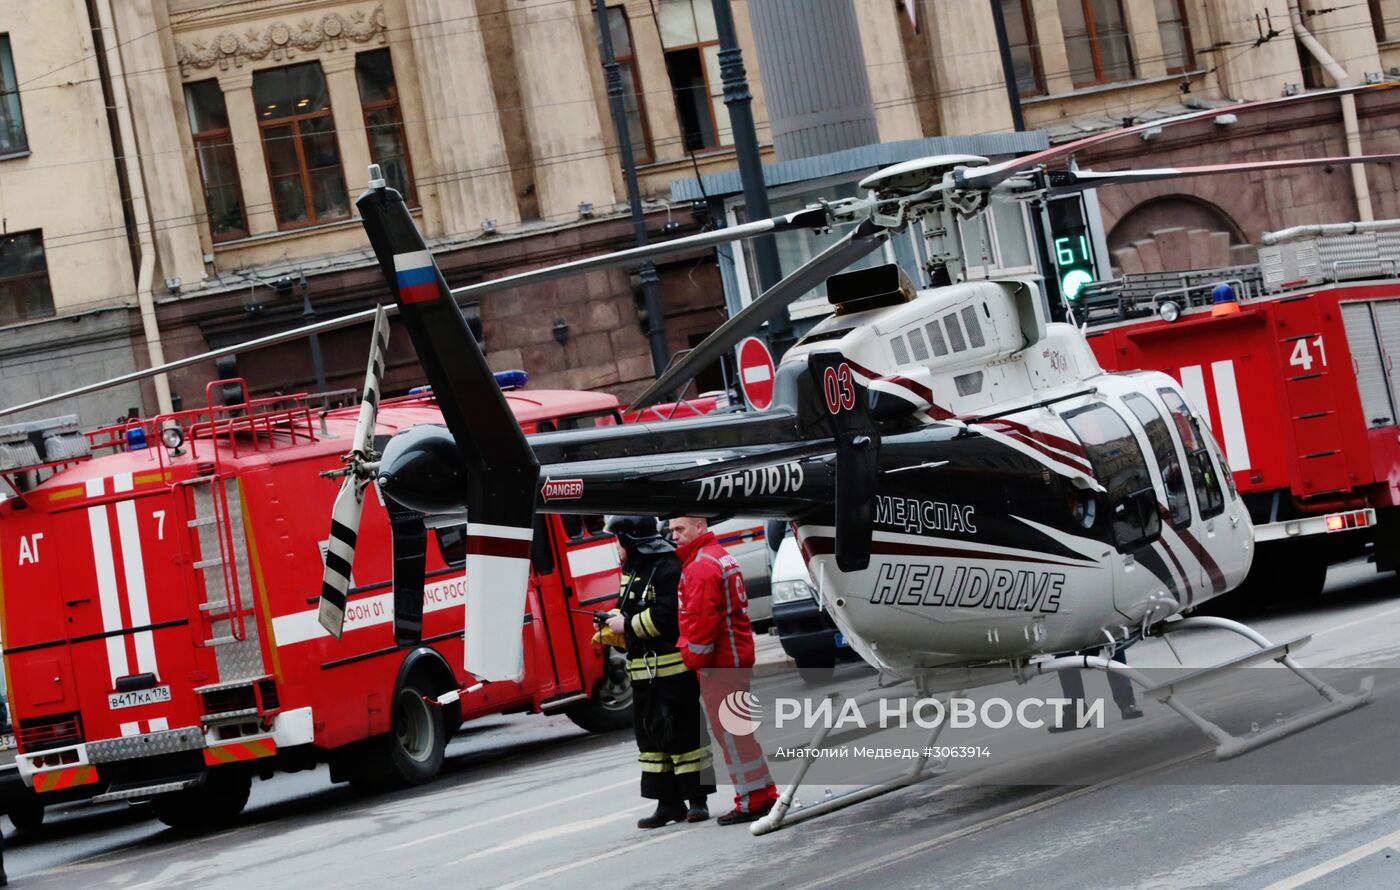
(672, 739)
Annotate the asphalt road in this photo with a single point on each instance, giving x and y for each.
(533, 801)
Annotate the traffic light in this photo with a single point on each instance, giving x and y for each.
(1071, 246)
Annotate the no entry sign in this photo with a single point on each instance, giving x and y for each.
(756, 373)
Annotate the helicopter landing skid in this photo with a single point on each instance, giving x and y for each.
(1227, 745)
(924, 768)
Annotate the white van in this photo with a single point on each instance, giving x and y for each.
(745, 540)
(807, 633)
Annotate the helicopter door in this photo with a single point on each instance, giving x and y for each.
(1126, 513)
(1174, 503)
(1210, 499)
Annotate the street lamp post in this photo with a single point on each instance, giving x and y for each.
(651, 282)
(739, 101)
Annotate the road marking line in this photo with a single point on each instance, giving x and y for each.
(1367, 620)
(865, 868)
(1336, 863)
(549, 834)
(578, 863)
(504, 816)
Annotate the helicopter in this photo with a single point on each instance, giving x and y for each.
(968, 487)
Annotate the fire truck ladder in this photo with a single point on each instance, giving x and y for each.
(223, 564)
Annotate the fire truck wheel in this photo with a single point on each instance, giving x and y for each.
(419, 737)
(223, 796)
(609, 708)
(27, 814)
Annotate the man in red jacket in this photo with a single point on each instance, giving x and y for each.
(716, 641)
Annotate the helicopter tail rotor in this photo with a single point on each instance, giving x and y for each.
(350, 502)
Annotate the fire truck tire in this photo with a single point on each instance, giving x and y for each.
(609, 708)
(415, 746)
(27, 814)
(223, 796)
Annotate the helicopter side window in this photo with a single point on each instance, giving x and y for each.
(1121, 469)
(955, 333)
(935, 338)
(974, 327)
(1203, 476)
(1159, 436)
(901, 352)
(916, 345)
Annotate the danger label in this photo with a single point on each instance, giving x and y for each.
(562, 489)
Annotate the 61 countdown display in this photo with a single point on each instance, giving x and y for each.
(1071, 246)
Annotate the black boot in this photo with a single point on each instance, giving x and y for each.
(699, 811)
(666, 811)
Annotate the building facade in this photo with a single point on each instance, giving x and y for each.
(180, 175)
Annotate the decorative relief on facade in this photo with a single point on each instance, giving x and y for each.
(282, 41)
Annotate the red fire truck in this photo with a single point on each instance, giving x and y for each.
(158, 592)
(1297, 376)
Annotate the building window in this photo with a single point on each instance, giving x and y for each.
(632, 101)
(1096, 41)
(379, 97)
(1176, 35)
(1025, 51)
(298, 136)
(218, 168)
(12, 137)
(24, 278)
(692, 60)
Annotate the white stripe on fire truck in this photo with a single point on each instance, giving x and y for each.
(1194, 382)
(1227, 397)
(132, 728)
(134, 567)
(362, 612)
(104, 564)
(592, 560)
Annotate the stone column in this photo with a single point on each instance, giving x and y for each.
(891, 88)
(1140, 16)
(248, 149)
(1346, 32)
(467, 170)
(1054, 60)
(1261, 72)
(967, 67)
(572, 163)
(153, 96)
(339, 68)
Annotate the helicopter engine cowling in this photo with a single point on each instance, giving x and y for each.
(422, 470)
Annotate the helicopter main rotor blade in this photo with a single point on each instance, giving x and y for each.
(1062, 182)
(986, 177)
(814, 217)
(860, 241)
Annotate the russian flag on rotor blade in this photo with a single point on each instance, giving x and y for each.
(416, 277)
